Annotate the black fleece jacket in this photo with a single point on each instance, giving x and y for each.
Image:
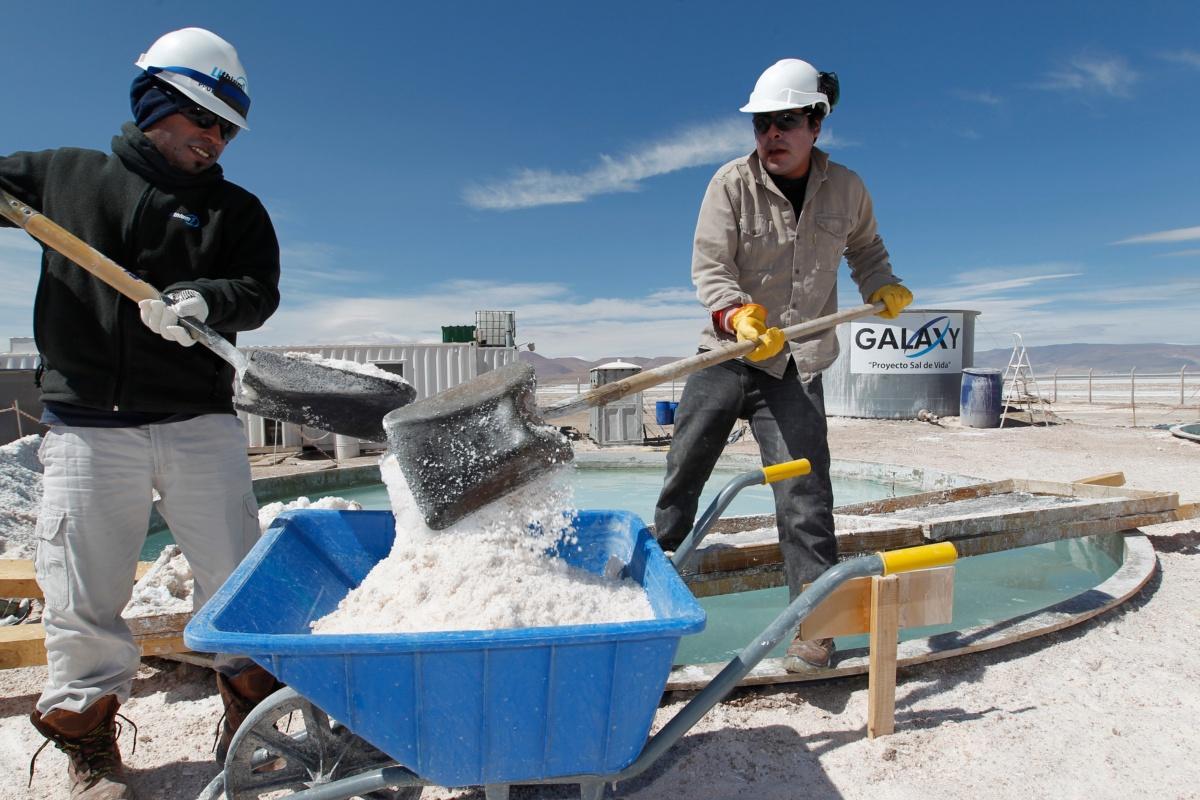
(171, 229)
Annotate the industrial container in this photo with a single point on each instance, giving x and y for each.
(980, 402)
(458, 333)
(618, 422)
(892, 369)
(496, 328)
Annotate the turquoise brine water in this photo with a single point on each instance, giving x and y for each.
(988, 589)
(627, 488)
(636, 489)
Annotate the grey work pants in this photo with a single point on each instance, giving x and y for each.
(787, 416)
(95, 508)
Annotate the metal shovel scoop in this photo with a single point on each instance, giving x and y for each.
(463, 448)
(283, 387)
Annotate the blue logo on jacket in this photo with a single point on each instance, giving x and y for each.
(191, 220)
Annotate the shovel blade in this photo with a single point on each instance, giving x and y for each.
(299, 390)
(469, 445)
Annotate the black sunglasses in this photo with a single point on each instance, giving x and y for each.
(784, 120)
(203, 118)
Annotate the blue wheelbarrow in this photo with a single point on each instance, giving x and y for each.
(381, 715)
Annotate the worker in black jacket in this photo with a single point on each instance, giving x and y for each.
(133, 408)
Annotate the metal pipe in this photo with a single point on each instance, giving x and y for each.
(361, 784)
(1132, 397)
(753, 653)
(684, 552)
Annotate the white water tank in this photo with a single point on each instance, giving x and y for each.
(892, 369)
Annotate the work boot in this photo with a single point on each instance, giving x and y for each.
(240, 694)
(805, 654)
(89, 739)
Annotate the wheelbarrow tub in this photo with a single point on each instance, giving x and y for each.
(457, 707)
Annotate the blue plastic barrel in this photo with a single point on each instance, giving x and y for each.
(980, 400)
(664, 412)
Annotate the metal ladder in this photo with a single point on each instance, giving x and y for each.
(1020, 385)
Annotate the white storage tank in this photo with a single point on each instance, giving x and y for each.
(618, 422)
(892, 369)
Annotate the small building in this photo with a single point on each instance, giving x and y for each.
(618, 422)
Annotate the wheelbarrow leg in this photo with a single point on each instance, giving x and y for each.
(592, 790)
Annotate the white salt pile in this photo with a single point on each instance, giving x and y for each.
(268, 513)
(489, 570)
(349, 366)
(166, 588)
(20, 496)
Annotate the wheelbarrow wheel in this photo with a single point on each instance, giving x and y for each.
(288, 744)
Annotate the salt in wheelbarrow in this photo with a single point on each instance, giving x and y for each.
(552, 705)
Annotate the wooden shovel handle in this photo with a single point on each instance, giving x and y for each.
(52, 234)
(676, 369)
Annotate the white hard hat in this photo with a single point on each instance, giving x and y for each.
(790, 83)
(205, 68)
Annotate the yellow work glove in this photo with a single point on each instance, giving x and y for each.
(750, 324)
(894, 296)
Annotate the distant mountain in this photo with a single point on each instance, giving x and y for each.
(570, 370)
(1079, 358)
(1066, 358)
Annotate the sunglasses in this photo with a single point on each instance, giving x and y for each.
(205, 119)
(784, 120)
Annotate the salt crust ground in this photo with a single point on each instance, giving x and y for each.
(1107, 709)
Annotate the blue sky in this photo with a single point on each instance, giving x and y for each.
(1033, 161)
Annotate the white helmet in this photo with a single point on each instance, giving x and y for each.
(205, 68)
(790, 83)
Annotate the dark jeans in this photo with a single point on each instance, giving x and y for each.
(788, 420)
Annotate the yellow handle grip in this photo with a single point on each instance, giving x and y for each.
(788, 469)
(922, 557)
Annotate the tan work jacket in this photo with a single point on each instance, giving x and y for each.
(750, 248)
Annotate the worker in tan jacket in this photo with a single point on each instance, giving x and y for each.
(773, 227)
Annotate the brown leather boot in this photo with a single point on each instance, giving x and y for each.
(240, 694)
(804, 654)
(89, 739)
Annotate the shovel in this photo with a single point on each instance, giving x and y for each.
(283, 387)
(469, 445)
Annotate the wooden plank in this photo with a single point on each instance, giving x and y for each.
(893, 504)
(1104, 479)
(21, 646)
(24, 645)
(884, 640)
(748, 580)
(1010, 540)
(17, 577)
(769, 572)
(926, 597)
(17, 580)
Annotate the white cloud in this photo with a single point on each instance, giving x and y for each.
(700, 144)
(664, 321)
(1173, 235)
(20, 259)
(1065, 311)
(1189, 58)
(983, 97)
(1111, 75)
(1178, 253)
